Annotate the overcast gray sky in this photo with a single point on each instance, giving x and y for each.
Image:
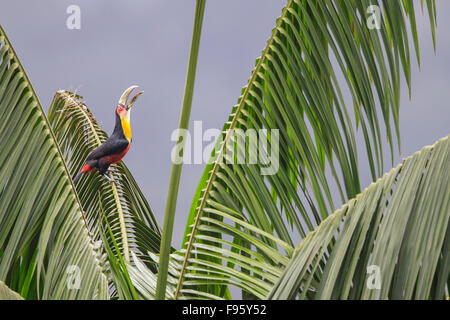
(146, 42)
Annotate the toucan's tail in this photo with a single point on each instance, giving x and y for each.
(86, 168)
(77, 177)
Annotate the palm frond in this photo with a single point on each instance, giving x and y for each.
(295, 103)
(397, 230)
(145, 280)
(8, 294)
(45, 240)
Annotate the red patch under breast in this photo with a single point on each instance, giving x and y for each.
(114, 158)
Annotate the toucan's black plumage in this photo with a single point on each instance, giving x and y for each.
(117, 145)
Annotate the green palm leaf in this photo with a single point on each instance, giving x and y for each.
(8, 294)
(399, 224)
(294, 89)
(44, 237)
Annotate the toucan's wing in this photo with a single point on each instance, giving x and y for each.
(109, 147)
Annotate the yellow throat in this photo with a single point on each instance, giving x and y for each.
(126, 125)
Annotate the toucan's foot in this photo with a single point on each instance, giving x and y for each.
(110, 180)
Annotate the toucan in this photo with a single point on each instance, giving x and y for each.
(116, 147)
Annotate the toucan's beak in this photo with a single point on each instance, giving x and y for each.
(126, 94)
